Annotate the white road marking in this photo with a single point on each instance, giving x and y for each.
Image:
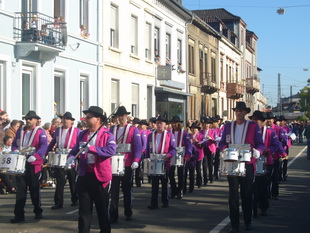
(226, 221)
(72, 212)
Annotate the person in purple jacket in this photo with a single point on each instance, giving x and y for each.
(125, 133)
(237, 132)
(183, 143)
(30, 135)
(64, 138)
(163, 143)
(95, 172)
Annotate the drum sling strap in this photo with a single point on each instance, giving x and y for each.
(123, 137)
(33, 133)
(181, 138)
(264, 133)
(70, 138)
(232, 132)
(163, 142)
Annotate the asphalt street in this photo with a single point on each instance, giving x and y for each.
(204, 210)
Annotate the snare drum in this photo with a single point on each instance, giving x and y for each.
(231, 155)
(260, 166)
(245, 156)
(233, 169)
(154, 167)
(57, 159)
(118, 165)
(178, 159)
(12, 164)
(157, 156)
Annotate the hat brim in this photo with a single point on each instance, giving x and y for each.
(247, 109)
(176, 121)
(96, 114)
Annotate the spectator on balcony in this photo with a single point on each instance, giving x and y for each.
(25, 31)
(46, 35)
(83, 31)
(157, 57)
(34, 32)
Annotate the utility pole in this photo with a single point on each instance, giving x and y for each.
(291, 94)
(279, 94)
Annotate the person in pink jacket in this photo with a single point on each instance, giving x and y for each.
(30, 136)
(94, 169)
(65, 137)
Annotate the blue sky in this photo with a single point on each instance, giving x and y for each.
(283, 40)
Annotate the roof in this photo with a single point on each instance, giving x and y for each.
(213, 15)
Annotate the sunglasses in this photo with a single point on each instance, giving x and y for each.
(89, 117)
(29, 119)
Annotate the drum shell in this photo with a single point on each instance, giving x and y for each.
(154, 156)
(57, 160)
(15, 167)
(154, 167)
(260, 167)
(245, 156)
(232, 168)
(118, 165)
(123, 148)
(231, 156)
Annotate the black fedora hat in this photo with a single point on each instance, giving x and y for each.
(242, 106)
(143, 122)
(136, 120)
(194, 125)
(68, 116)
(207, 120)
(269, 115)
(282, 118)
(161, 118)
(218, 117)
(258, 114)
(121, 111)
(32, 114)
(152, 120)
(176, 119)
(97, 112)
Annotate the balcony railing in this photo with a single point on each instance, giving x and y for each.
(235, 90)
(208, 85)
(253, 84)
(35, 27)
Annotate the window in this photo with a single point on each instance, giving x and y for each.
(148, 41)
(191, 64)
(179, 52)
(2, 85)
(205, 55)
(84, 14)
(84, 102)
(202, 73)
(156, 45)
(168, 49)
(59, 8)
(27, 91)
(114, 27)
(134, 35)
(114, 94)
(59, 91)
(29, 5)
(213, 69)
(135, 100)
(149, 101)
(221, 70)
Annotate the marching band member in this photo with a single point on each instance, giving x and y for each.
(125, 134)
(218, 134)
(65, 137)
(240, 132)
(183, 143)
(288, 130)
(29, 136)
(95, 173)
(160, 142)
(209, 149)
(260, 186)
(190, 165)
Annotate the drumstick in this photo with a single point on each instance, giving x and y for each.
(102, 124)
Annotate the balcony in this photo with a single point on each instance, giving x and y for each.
(208, 86)
(252, 85)
(235, 90)
(39, 37)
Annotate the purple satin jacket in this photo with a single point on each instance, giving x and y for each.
(55, 139)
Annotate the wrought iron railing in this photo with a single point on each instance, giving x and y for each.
(35, 27)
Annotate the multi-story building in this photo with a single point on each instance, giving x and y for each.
(144, 57)
(203, 75)
(50, 57)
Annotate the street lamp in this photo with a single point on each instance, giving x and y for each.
(281, 11)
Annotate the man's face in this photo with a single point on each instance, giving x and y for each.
(91, 120)
(174, 125)
(31, 122)
(67, 123)
(122, 119)
(160, 125)
(240, 114)
(269, 122)
(259, 121)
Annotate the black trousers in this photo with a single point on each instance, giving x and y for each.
(207, 165)
(216, 163)
(198, 173)
(60, 176)
(90, 191)
(31, 180)
(245, 184)
(260, 193)
(155, 189)
(174, 188)
(139, 175)
(191, 172)
(126, 182)
(273, 176)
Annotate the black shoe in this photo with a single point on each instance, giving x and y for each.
(172, 195)
(57, 206)
(248, 227)
(152, 207)
(180, 195)
(234, 230)
(38, 216)
(75, 203)
(264, 213)
(284, 179)
(17, 220)
(190, 190)
(165, 205)
(128, 218)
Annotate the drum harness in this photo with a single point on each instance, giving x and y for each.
(70, 138)
(27, 145)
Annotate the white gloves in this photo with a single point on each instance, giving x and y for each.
(31, 159)
(134, 165)
(86, 148)
(256, 153)
(70, 162)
